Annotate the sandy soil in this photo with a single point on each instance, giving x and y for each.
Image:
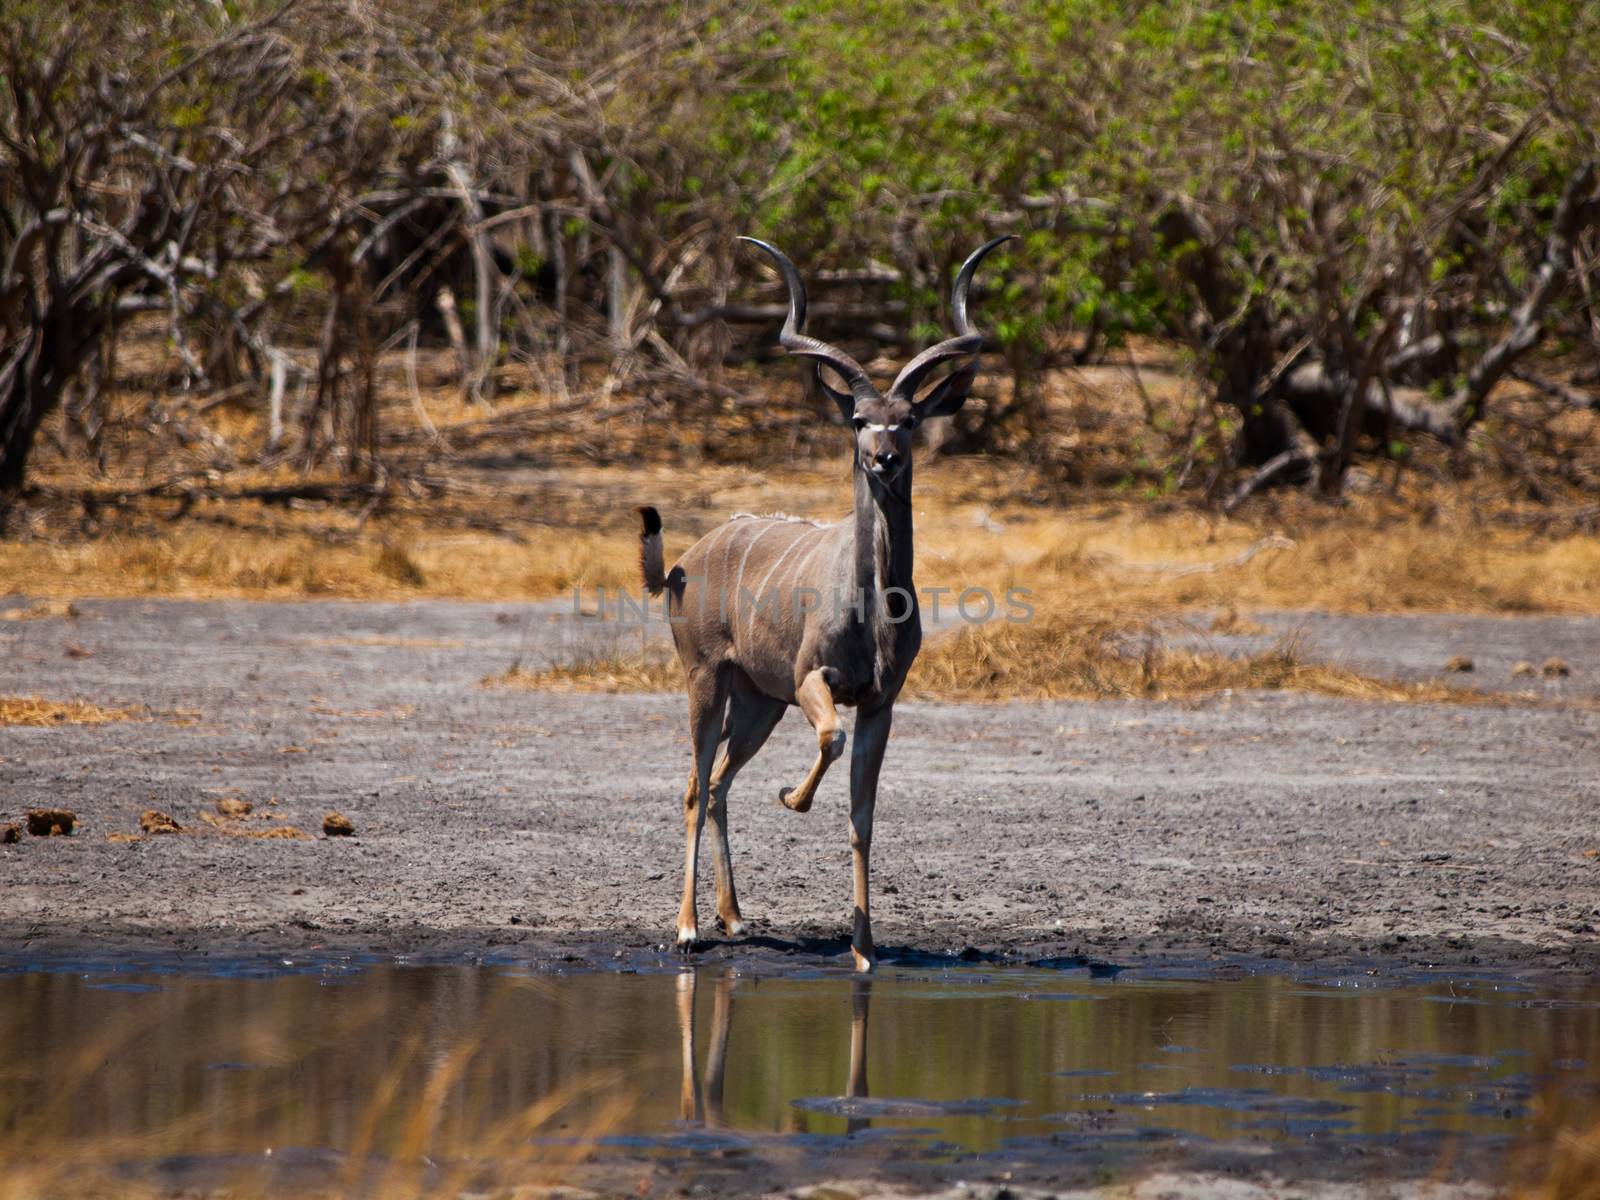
(490, 819)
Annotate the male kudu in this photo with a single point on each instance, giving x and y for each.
(772, 611)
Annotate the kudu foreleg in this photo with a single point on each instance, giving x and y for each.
(872, 737)
(815, 699)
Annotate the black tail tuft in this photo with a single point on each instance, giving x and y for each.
(652, 566)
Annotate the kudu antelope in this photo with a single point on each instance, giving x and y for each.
(771, 611)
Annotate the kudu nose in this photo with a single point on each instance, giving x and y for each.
(886, 458)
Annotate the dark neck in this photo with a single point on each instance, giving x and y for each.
(888, 506)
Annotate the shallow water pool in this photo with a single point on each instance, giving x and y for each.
(337, 1066)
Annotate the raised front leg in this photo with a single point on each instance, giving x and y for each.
(815, 699)
(872, 736)
(707, 696)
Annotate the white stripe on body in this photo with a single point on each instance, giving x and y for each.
(762, 591)
(738, 583)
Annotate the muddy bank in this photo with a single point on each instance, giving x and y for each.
(1259, 824)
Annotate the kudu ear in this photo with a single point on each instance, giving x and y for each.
(845, 401)
(946, 399)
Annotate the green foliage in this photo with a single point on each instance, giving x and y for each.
(1312, 130)
(1170, 167)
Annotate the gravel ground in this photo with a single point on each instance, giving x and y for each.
(1251, 824)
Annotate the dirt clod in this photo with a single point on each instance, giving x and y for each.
(51, 822)
(10, 835)
(1459, 662)
(155, 821)
(338, 825)
(233, 806)
(1555, 668)
(1524, 668)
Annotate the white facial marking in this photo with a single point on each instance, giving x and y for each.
(882, 428)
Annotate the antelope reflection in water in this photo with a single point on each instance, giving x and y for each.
(701, 1106)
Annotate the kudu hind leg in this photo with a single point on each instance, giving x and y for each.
(815, 699)
(707, 698)
(751, 720)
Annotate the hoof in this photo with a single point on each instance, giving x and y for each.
(864, 962)
(734, 928)
(686, 939)
(799, 806)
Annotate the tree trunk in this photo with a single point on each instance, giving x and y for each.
(1577, 209)
(33, 378)
(21, 412)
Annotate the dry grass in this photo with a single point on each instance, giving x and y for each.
(1372, 559)
(279, 560)
(526, 516)
(1375, 556)
(41, 713)
(1078, 657)
(620, 671)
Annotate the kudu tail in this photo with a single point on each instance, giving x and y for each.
(652, 565)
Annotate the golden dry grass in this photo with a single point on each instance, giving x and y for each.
(628, 671)
(1079, 657)
(276, 562)
(216, 827)
(1371, 559)
(531, 515)
(41, 713)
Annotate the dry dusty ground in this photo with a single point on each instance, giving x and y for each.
(1269, 824)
